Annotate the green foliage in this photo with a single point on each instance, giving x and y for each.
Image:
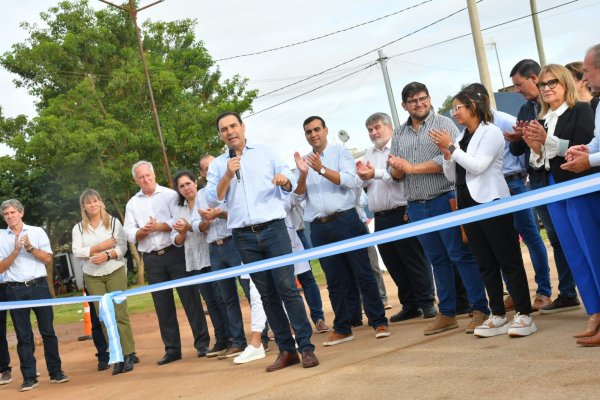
(94, 115)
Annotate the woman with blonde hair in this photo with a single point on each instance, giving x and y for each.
(99, 242)
(568, 122)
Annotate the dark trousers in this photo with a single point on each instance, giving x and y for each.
(495, 243)
(221, 257)
(4, 354)
(169, 266)
(277, 285)
(312, 295)
(22, 321)
(406, 264)
(347, 270)
(98, 336)
(217, 310)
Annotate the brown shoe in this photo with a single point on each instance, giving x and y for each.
(230, 352)
(509, 304)
(338, 338)
(539, 301)
(321, 326)
(592, 341)
(284, 359)
(382, 331)
(591, 329)
(309, 359)
(442, 323)
(477, 320)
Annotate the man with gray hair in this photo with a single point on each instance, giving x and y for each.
(24, 253)
(149, 216)
(404, 259)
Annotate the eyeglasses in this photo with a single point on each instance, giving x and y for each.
(551, 84)
(457, 107)
(413, 102)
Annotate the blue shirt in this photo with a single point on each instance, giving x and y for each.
(26, 266)
(255, 199)
(218, 228)
(594, 145)
(324, 197)
(511, 164)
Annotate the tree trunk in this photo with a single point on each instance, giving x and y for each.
(139, 262)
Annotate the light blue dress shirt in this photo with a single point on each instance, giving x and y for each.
(218, 229)
(323, 197)
(254, 199)
(594, 145)
(510, 164)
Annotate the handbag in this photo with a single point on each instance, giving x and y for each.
(454, 207)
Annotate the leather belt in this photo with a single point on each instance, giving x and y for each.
(256, 227)
(515, 177)
(30, 282)
(331, 217)
(395, 210)
(220, 242)
(162, 251)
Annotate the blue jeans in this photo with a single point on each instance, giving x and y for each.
(217, 310)
(526, 225)
(277, 285)
(222, 257)
(22, 322)
(345, 271)
(566, 282)
(444, 249)
(312, 295)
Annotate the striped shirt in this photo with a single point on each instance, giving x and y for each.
(416, 147)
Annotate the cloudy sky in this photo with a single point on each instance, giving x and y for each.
(233, 27)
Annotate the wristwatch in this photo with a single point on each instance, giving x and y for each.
(29, 249)
(322, 171)
(108, 255)
(451, 148)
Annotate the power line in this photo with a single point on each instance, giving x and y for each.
(323, 36)
(484, 29)
(366, 53)
(312, 90)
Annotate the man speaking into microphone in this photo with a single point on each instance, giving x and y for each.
(253, 181)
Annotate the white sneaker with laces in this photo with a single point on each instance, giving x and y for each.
(522, 325)
(495, 325)
(249, 354)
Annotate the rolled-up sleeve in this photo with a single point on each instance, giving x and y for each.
(79, 250)
(130, 226)
(121, 247)
(347, 170)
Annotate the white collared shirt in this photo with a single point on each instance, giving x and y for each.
(161, 205)
(26, 266)
(218, 228)
(195, 245)
(382, 191)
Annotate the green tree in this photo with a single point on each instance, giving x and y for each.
(94, 117)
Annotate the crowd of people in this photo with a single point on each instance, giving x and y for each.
(249, 208)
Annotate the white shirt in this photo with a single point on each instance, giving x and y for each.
(594, 146)
(383, 192)
(218, 228)
(161, 205)
(196, 247)
(82, 243)
(26, 266)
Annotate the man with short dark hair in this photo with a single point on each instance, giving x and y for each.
(417, 161)
(149, 216)
(24, 252)
(253, 181)
(404, 259)
(327, 179)
(525, 76)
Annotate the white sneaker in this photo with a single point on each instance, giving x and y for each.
(522, 325)
(493, 326)
(251, 353)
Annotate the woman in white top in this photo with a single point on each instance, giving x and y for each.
(99, 241)
(474, 163)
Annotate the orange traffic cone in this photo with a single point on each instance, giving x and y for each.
(87, 322)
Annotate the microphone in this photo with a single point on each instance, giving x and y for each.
(232, 155)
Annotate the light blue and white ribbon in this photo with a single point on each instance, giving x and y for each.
(107, 315)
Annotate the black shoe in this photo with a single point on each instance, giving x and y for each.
(135, 358)
(28, 384)
(202, 352)
(117, 368)
(169, 358)
(127, 364)
(59, 377)
(217, 350)
(429, 312)
(405, 314)
(103, 365)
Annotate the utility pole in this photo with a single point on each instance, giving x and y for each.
(133, 12)
(492, 43)
(484, 73)
(538, 32)
(388, 87)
